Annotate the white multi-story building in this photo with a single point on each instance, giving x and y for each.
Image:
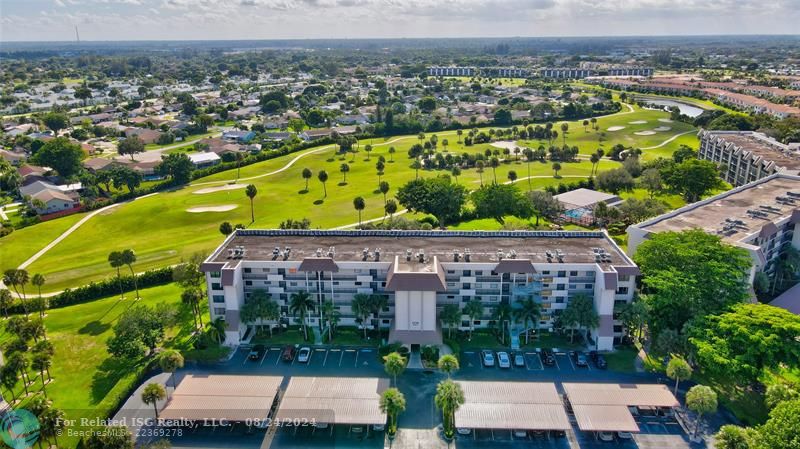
(566, 73)
(419, 272)
(761, 217)
(630, 71)
(451, 71)
(747, 156)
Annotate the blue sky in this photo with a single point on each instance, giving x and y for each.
(37, 20)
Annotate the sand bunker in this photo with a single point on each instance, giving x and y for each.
(220, 188)
(505, 144)
(615, 128)
(223, 208)
(662, 128)
(665, 120)
(645, 133)
(638, 122)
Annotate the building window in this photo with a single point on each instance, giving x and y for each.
(465, 324)
(588, 286)
(215, 274)
(219, 311)
(562, 274)
(218, 298)
(622, 291)
(561, 286)
(248, 283)
(247, 270)
(560, 300)
(386, 321)
(573, 273)
(216, 286)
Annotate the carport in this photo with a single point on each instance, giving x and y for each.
(511, 406)
(221, 400)
(353, 401)
(604, 407)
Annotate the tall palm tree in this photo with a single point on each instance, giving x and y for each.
(170, 361)
(344, 168)
(323, 178)
(479, 168)
(128, 258)
(360, 308)
(216, 329)
(456, 172)
(416, 165)
(359, 204)
(300, 304)
(494, 163)
(331, 317)
(392, 403)
(502, 313)
(376, 304)
(448, 364)
(594, 159)
(528, 311)
(307, 174)
(556, 168)
(17, 278)
(384, 189)
(564, 129)
(6, 300)
(192, 297)
(449, 397)
(153, 393)
(38, 281)
(390, 208)
(474, 310)
(251, 191)
(115, 260)
(394, 364)
(392, 150)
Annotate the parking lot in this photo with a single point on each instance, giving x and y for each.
(419, 388)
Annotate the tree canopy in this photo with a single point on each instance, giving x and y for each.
(498, 200)
(436, 196)
(61, 155)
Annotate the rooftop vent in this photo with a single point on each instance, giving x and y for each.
(408, 255)
(377, 254)
(421, 256)
(467, 255)
(319, 252)
(560, 256)
(500, 254)
(513, 254)
(365, 254)
(331, 252)
(456, 256)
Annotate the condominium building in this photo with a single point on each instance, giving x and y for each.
(747, 156)
(761, 217)
(630, 71)
(566, 73)
(451, 71)
(419, 272)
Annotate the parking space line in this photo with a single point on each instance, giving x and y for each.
(569, 357)
(324, 362)
(555, 359)
(264, 357)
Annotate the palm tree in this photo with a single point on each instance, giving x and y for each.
(17, 278)
(38, 281)
(360, 307)
(585, 125)
(528, 311)
(392, 403)
(51, 421)
(216, 329)
(556, 168)
(594, 122)
(448, 364)
(456, 172)
(564, 129)
(323, 178)
(331, 316)
(368, 149)
(359, 205)
(376, 304)
(416, 165)
(512, 176)
(344, 168)
(379, 166)
(384, 189)
(6, 300)
(494, 163)
(594, 159)
(41, 361)
(18, 363)
(449, 397)
(474, 310)
(390, 208)
(307, 174)
(9, 378)
(153, 393)
(394, 364)
(300, 304)
(115, 260)
(500, 315)
(128, 257)
(192, 297)
(392, 150)
(251, 191)
(479, 168)
(170, 361)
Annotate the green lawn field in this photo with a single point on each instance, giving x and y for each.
(162, 230)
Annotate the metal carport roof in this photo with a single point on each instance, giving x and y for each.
(334, 400)
(511, 405)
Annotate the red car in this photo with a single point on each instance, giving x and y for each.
(288, 353)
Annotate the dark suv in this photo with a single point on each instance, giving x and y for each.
(548, 358)
(288, 353)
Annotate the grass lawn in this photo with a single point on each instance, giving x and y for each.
(162, 230)
(88, 382)
(622, 360)
(23, 243)
(189, 141)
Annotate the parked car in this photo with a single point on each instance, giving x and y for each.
(605, 436)
(288, 353)
(558, 433)
(519, 360)
(488, 357)
(581, 360)
(463, 431)
(378, 427)
(624, 435)
(503, 360)
(600, 362)
(304, 355)
(540, 433)
(358, 430)
(548, 358)
(593, 355)
(520, 434)
(257, 352)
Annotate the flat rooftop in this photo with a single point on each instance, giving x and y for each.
(483, 246)
(762, 146)
(727, 214)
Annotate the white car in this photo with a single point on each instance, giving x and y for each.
(521, 433)
(624, 435)
(463, 431)
(304, 355)
(488, 357)
(503, 360)
(605, 436)
(378, 427)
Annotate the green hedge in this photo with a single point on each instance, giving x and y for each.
(104, 288)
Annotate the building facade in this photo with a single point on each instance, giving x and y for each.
(419, 272)
(566, 73)
(761, 217)
(747, 156)
(451, 71)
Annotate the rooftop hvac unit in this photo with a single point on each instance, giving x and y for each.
(408, 255)
(319, 252)
(331, 252)
(513, 254)
(500, 254)
(456, 256)
(377, 254)
(467, 255)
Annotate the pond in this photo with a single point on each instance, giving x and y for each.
(685, 108)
